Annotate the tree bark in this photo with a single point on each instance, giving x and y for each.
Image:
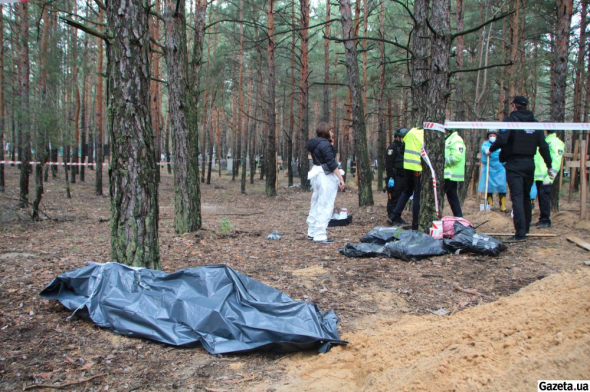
(326, 87)
(24, 71)
(187, 204)
(304, 96)
(133, 169)
(271, 148)
(559, 71)
(579, 73)
(99, 100)
(358, 115)
(2, 107)
(41, 147)
(382, 142)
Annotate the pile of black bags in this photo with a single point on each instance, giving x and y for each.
(410, 245)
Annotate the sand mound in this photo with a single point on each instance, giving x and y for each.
(542, 332)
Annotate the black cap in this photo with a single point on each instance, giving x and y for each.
(520, 100)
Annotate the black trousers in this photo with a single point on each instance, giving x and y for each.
(393, 194)
(453, 197)
(520, 177)
(411, 187)
(544, 196)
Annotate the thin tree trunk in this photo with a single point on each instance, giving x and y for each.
(41, 149)
(382, 144)
(25, 122)
(579, 73)
(559, 71)
(271, 148)
(358, 114)
(187, 216)
(326, 87)
(99, 101)
(304, 96)
(133, 169)
(2, 107)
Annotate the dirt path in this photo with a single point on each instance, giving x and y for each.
(385, 305)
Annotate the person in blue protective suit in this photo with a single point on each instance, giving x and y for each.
(497, 174)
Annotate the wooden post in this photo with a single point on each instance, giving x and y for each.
(583, 189)
(573, 173)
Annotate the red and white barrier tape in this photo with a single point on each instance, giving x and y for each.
(427, 159)
(64, 163)
(551, 126)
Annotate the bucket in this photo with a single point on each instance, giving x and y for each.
(436, 231)
(343, 213)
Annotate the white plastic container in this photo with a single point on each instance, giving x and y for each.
(343, 213)
(436, 231)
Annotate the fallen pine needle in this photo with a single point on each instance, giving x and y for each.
(474, 292)
(64, 385)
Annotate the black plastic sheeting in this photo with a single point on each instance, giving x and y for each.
(224, 310)
(395, 243)
(363, 250)
(468, 240)
(415, 246)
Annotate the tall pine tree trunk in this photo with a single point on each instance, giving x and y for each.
(559, 71)
(358, 114)
(271, 148)
(304, 96)
(187, 214)
(24, 68)
(133, 170)
(2, 107)
(99, 101)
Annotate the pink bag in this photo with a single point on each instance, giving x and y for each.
(449, 225)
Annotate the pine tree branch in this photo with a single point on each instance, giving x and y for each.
(101, 5)
(371, 39)
(84, 28)
(481, 68)
(407, 10)
(476, 28)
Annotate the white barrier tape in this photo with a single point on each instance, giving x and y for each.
(427, 159)
(65, 164)
(551, 126)
(434, 126)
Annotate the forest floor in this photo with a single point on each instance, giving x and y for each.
(521, 317)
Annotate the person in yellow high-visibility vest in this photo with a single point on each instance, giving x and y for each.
(543, 180)
(413, 142)
(454, 170)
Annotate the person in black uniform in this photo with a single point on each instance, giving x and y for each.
(519, 147)
(394, 169)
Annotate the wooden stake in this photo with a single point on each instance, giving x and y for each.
(581, 243)
(583, 189)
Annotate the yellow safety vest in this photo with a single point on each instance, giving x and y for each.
(454, 158)
(414, 140)
(556, 149)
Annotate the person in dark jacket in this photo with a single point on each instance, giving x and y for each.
(325, 179)
(394, 169)
(519, 147)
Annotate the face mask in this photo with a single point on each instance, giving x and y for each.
(492, 139)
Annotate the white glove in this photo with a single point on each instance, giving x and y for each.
(552, 174)
(487, 151)
(341, 172)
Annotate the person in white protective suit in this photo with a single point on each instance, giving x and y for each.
(325, 178)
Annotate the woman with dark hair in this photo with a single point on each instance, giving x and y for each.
(325, 178)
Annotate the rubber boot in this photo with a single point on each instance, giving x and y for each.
(532, 208)
(490, 200)
(503, 203)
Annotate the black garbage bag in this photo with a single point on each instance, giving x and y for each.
(224, 310)
(413, 245)
(382, 235)
(362, 250)
(467, 239)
